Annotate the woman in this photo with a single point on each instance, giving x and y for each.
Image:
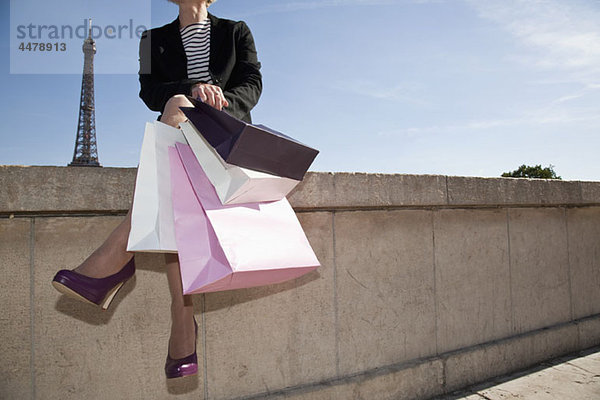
(196, 55)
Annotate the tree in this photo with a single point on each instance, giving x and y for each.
(525, 171)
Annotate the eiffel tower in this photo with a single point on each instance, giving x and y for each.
(86, 152)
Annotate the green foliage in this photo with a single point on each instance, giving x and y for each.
(525, 171)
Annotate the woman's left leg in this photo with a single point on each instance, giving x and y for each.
(110, 257)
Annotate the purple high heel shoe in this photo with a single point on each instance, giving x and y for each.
(182, 366)
(98, 291)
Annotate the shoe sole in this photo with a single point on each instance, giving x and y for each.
(185, 375)
(74, 295)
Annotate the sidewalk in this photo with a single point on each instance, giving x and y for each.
(573, 377)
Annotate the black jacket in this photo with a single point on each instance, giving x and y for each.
(233, 66)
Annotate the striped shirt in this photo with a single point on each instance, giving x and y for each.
(196, 42)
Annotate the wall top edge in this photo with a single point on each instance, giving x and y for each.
(331, 173)
(58, 188)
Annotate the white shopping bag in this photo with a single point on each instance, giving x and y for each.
(152, 226)
(235, 185)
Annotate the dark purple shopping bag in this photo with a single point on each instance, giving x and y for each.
(250, 146)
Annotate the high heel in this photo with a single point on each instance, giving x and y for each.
(98, 291)
(181, 367)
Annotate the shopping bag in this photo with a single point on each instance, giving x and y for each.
(235, 185)
(223, 247)
(250, 146)
(152, 226)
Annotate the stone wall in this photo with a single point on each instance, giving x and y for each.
(427, 284)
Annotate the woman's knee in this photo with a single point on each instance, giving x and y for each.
(173, 104)
(172, 115)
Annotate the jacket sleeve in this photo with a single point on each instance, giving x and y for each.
(154, 92)
(245, 85)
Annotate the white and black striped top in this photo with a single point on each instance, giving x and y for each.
(196, 42)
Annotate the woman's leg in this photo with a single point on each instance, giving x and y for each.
(183, 337)
(112, 255)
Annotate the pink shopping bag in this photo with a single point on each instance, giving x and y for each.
(223, 247)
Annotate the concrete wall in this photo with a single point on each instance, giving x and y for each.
(427, 284)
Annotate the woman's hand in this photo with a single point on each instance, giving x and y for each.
(210, 94)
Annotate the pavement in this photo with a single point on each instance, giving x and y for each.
(573, 377)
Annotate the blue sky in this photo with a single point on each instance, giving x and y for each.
(456, 87)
